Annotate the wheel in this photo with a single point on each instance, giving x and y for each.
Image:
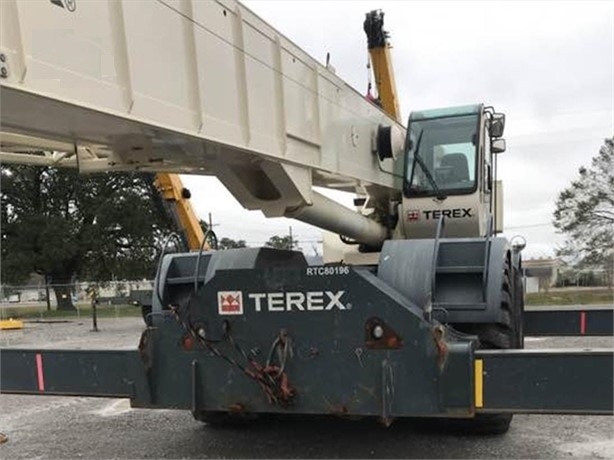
(507, 334)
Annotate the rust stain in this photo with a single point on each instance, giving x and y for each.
(236, 408)
(389, 339)
(441, 345)
(338, 409)
(145, 348)
(187, 342)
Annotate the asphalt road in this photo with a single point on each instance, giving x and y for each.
(62, 427)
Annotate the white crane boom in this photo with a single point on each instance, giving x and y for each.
(203, 87)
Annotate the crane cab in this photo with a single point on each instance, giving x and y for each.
(449, 171)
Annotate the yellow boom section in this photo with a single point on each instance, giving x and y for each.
(173, 192)
(381, 60)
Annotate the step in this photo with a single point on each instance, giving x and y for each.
(459, 306)
(460, 269)
(184, 280)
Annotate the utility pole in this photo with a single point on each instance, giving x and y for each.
(291, 240)
(47, 292)
(93, 291)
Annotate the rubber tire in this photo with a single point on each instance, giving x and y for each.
(504, 335)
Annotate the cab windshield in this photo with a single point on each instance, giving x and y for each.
(442, 156)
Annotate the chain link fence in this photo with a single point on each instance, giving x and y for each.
(40, 300)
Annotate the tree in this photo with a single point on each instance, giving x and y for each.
(282, 242)
(228, 243)
(585, 214)
(63, 225)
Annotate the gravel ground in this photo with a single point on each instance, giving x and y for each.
(62, 427)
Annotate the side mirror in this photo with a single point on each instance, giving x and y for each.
(518, 243)
(497, 124)
(497, 146)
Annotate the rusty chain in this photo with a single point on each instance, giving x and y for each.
(271, 378)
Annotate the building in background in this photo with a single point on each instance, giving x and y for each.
(540, 274)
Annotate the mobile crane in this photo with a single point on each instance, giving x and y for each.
(430, 325)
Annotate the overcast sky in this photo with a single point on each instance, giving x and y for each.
(548, 66)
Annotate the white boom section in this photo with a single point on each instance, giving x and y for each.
(202, 87)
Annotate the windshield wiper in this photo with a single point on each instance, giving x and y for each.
(425, 169)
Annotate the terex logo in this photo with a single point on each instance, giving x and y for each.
(414, 214)
(230, 302)
(458, 213)
(299, 301)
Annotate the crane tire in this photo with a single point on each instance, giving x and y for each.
(503, 335)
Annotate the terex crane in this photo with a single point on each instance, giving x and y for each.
(430, 326)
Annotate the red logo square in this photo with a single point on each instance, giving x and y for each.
(414, 214)
(230, 302)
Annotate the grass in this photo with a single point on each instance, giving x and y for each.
(84, 311)
(571, 297)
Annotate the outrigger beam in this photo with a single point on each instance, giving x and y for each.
(515, 381)
(544, 381)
